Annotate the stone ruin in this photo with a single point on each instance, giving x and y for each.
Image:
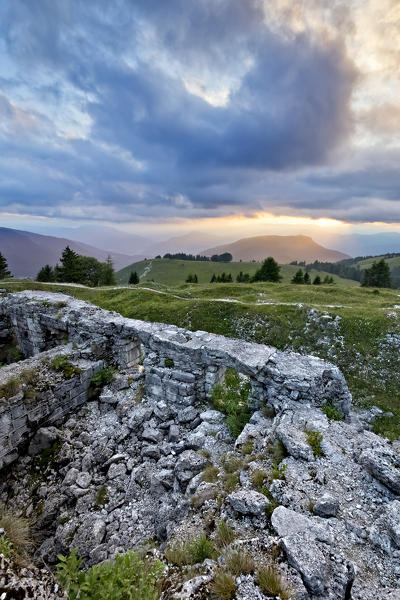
(128, 465)
(180, 367)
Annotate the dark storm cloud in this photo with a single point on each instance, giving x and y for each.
(151, 143)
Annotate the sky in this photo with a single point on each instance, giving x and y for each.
(156, 116)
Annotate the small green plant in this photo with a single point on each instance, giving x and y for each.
(272, 583)
(191, 552)
(61, 363)
(232, 463)
(6, 547)
(314, 439)
(223, 586)
(240, 562)
(98, 381)
(127, 577)
(278, 472)
(332, 412)
(231, 398)
(225, 534)
(210, 474)
(200, 549)
(268, 411)
(169, 363)
(101, 496)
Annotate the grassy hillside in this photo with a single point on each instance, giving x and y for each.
(356, 328)
(392, 262)
(175, 272)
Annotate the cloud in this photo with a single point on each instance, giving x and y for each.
(147, 110)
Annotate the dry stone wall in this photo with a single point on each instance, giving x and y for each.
(181, 366)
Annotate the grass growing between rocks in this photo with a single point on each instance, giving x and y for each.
(272, 583)
(191, 552)
(363, 343)
(314, 439)
(17, 539)
(128, 576)
(65, 366)
(231, 398)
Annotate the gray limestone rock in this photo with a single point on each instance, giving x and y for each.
(43, 439)
(326, 506)
(248, 502)
(189, 464)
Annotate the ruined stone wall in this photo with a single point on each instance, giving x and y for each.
(181, 366)
(42, 397)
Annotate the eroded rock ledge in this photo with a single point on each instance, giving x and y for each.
(149, 463)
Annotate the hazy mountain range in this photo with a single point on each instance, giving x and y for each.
(27, 252)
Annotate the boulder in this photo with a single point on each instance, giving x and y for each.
(326, 506)
(248, 502)
(43, 439)
(189, 464)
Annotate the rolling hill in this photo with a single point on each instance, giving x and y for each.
(27, 252)
(175, 272)
(284, 248)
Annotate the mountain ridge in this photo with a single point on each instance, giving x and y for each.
(27, 252)
(284, 249)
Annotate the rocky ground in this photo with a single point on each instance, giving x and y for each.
(316, 498)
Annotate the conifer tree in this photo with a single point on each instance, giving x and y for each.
(133, 278)
(213, 278)
(46, 273)
(4, 271)
(298, 277)
(307, 278)
(317, 280)
(68, 272)
(108, 275)
(269, 271)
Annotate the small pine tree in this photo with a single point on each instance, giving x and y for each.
(307, 278)
(68, 272)
(4, 271)
(195, 280)
(269, 271)
(317, 280)
(46, 273)
(213, 278)
(229, 278)
(298, 277)
(108, 275)
(133, 278)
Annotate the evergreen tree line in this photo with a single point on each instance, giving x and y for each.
(340, 268)
(304, 278)
(225, 257)
(75, 268)
(378, 275)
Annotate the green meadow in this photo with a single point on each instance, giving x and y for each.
(356, 328)
(175, 272)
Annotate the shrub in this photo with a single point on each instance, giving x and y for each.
(17, 532)
(61, 363)
(232, 399)
(127, 577)
(258, 477)
(240, 562)
(225, 534)
(314, 439)
(178, 554)
(332, 412)
(223, 586)
(169, 363)
(247, 448)
(271, 582)
(230, 481)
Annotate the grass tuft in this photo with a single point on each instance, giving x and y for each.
(240, 562)
(314, 439)
(272, 583)
(17, 532)
(225, 534)
(223, 586)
